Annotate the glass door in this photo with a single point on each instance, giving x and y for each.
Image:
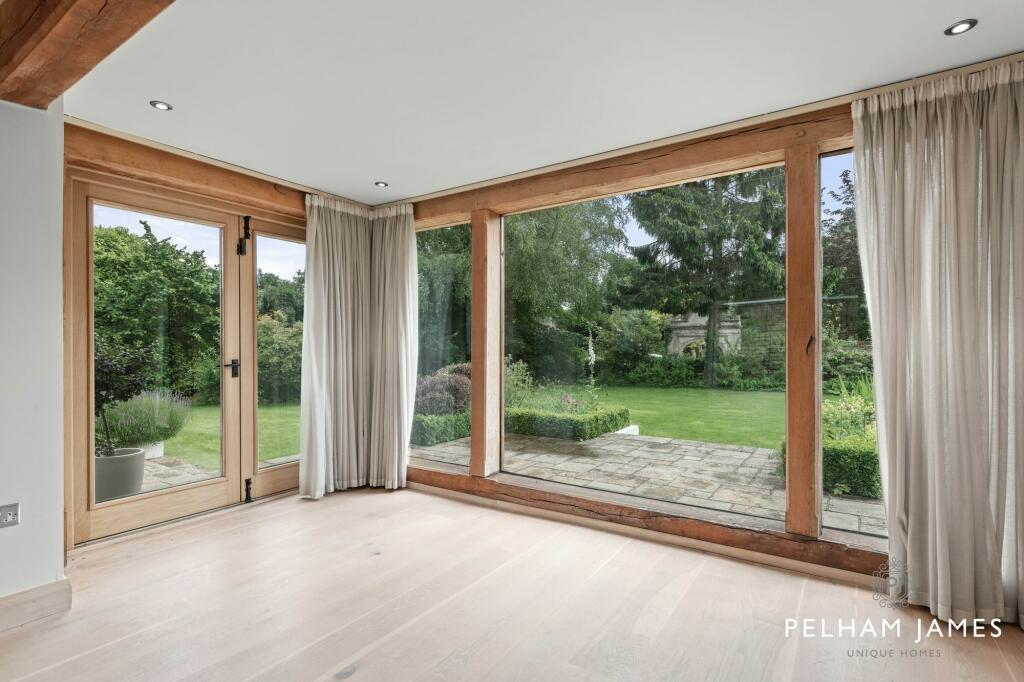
(163, 437)
(273, 290)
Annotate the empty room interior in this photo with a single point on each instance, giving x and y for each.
(555, 340)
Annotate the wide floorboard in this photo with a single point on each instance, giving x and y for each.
(371, 585)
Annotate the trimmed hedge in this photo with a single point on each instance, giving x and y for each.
(849, 465)
(566, 425)
(431, 429)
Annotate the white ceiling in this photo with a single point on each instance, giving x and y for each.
(433, 95)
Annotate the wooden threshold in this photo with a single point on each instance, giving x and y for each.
(764, 536)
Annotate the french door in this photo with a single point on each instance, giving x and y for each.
(185, 321)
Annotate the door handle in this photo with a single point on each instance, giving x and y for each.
(235, 366)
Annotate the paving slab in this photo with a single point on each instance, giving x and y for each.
(716, 476)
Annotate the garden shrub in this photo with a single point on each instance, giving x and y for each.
(842, 359)
(555, 355)
(519, 384)
(850, 465)
(279, 347)
(464, 369)
(431, 429)
(849, 447)
(566, 425)
(149, 417)
(626, 338)
(442, 394)
(849, 415)
(670, 371)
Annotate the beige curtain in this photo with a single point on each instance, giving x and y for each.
(940, 214)
(395, 304)
(359, 346)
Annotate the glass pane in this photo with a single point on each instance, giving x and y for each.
(440, 429)
(156, 323)
(644, 337)
(280, 291)
(852, 484)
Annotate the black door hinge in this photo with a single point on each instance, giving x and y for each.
(248, 490)
(246, 234)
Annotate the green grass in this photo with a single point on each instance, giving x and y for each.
(199, 440)
(278, 431)
(755, 418)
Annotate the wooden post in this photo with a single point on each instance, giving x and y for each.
(803, 342)
(486, 349)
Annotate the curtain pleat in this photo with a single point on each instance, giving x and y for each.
(940, 215)
(395, 350)
(357, 339)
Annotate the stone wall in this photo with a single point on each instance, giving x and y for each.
(691, 328)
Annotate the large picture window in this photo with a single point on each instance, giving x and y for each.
(441, 423)
(645, 343)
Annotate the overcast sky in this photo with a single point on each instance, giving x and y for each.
(283, 258)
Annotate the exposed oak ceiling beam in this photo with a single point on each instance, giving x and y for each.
(46, 46)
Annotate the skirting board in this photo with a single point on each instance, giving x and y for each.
(35, 603)
(826, 572)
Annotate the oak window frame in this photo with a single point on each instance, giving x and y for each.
(796, 143)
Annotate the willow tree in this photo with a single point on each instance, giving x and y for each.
(715, 241)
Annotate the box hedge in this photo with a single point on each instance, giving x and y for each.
(530, 421)
(849, 465)
(431, 429)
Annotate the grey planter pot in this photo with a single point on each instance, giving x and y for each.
(120, 475)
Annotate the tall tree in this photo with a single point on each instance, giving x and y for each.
(556, 263)
(277, 294)
(151, 294)
(715, 241)
(842, 285)
(444, 259)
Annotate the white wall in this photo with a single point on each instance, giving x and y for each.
(31, 356)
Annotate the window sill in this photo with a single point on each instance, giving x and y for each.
(834, 549)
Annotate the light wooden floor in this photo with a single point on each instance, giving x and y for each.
(408, 585)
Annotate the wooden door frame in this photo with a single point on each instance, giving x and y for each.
(94, 519)
(158, 181)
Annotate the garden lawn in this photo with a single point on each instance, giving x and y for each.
(198, 442)
(755, 418)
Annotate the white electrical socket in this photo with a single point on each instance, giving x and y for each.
(10, 515)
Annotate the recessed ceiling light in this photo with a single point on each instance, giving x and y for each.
(162, 106)
(962, 26)
(381, 184)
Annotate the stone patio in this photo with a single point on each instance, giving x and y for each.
(168, 472)
(727, 477)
